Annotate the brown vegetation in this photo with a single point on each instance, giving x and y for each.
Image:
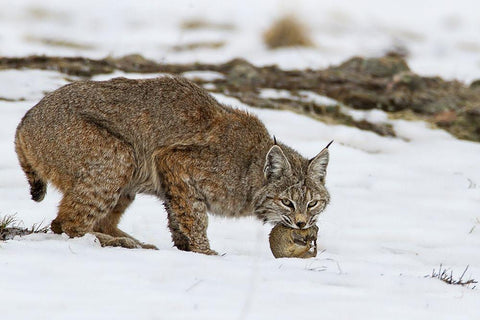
(54, 42)
(446, 276)
(10, 228)
(199, 45)
(197, 23)
(287, 32)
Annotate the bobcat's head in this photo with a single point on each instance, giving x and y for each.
(294, 193)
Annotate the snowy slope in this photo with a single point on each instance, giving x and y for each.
(400, 206)
(441, 36)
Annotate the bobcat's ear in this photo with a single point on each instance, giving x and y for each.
(276, 164)
(317, 167)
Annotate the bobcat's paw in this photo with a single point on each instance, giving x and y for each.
(147, 246)
(109, 241)
(209, 252)
(123, 242)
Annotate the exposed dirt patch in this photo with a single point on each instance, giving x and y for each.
(385, 83)
(11, 232)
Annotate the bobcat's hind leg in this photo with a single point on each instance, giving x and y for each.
(80, 209)
(83, 213)
(92, 197)
(108, 233)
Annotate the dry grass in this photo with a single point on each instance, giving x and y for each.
(10, 228)
(199, 45)
(446, 276)
(197, 23)
(477, 221)
(8, 221)
(52, 42)
(287, 31)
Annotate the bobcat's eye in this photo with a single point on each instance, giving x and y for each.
(316, 203)
(287, 203)
(313, 203)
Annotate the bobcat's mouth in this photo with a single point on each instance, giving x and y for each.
(287, 222)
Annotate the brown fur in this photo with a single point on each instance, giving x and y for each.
(100, 143)
(293, 243)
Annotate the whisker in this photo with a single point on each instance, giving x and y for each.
(288, 222)
(312, 221)
(271, 216)
(287, 219)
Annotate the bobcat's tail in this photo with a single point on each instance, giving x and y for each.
(38, 186)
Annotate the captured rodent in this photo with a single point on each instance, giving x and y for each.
(287, 242)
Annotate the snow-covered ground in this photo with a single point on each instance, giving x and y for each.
(400, 206)
(442, 37)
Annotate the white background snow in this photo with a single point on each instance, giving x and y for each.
(400, 206)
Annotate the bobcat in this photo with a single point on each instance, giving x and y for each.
(101, 143)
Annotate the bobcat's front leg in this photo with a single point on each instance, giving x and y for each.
(188, 221)
(187, 213)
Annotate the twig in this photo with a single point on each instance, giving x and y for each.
(471, 184)
(193, 285)
(477, 222)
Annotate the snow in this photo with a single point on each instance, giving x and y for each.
(204, 75)
(442, 38)
(318, 99)
(275, 94)
(400, 206)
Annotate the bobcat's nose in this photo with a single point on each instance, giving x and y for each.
(301, 224)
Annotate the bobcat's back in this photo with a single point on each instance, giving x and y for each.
(148, 112)
(150, 118)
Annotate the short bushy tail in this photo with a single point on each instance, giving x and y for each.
(38, 186)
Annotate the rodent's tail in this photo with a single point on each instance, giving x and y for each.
(38, 186)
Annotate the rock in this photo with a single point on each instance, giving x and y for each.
(242, 73)
(409, 79)
(377, 67)
(475, 84)
(134, 63)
